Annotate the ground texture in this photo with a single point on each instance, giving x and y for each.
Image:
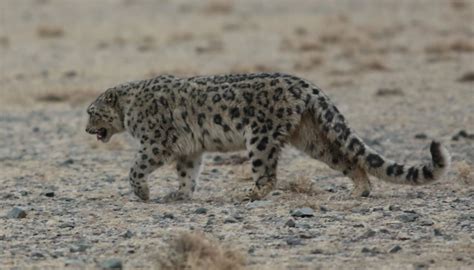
(401, 71)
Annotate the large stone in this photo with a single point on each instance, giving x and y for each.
(303, 212)
(111, 264)
(16, 212)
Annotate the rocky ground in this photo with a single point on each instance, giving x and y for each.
(401, 71)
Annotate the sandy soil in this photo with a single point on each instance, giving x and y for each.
(401, 71)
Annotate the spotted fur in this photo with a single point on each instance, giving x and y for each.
(180, 118)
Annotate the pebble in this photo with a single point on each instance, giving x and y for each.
(16, 212)
(426, 222)
(290, 223)
(128, 234)
(294, 241)
(230, 220)
(66, 225)
(421, 136)
(462, 134)
(111, 264)
(369, 233)
(408, 217)
(389, 92)
(201, 211)
(258, 204)
(370, 251)
(49, 194)
(168, 215)
(37, 254)
(394, 208)
(74, 262)
(437, 232)
(303, 212)
(395, 249)
(79, 248)
(467, 77)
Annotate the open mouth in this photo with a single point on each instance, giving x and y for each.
(101, 134)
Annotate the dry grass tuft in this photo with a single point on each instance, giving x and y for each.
(74, 98)
(301, 185)
(49, 31)
(218, 7)
(193, 251)
(465, 172)
(308, 64)
(374, 65)
(459, 46)
(307, 46)
(459, 5)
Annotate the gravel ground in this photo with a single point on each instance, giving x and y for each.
(401, 71)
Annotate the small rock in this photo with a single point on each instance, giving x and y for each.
(369, 233)
(290, 223)
(276, 193)
(70, 74)
(421, 136)
(258, 204)
(79, 248)
(462, 134)
(67, 225)
(323, 208)
(303, 212)
(251, 250)
(37, 254)
(389, 92)
(217, 160)
(111, 264)
(230, 220)
(73, 262)
(201, 211)
(317, 251)
(330, 188)
(168, 215)
(437, 232)
(16, 212)
(420, 266)
(394, 208)
(238, 217)
(395, 249)
(426, 222)
(408, 217)
(370, 251)
(68, 161)
(36, 129)
(293, 241)
(24, 193)
(49, 194)
(128, 234)
(467, 77)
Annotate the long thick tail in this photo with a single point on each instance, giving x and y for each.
(334, 125)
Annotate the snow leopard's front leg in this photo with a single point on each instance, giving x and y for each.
(188, 168)
(146, 161)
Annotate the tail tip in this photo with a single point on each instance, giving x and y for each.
(440, 155)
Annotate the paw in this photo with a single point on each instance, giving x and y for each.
(257, 193)
(360, 192)
(176, 196)
(142, 193)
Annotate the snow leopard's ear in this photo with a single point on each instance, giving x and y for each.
(110, 97)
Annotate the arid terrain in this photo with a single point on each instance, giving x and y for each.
(402, 72)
